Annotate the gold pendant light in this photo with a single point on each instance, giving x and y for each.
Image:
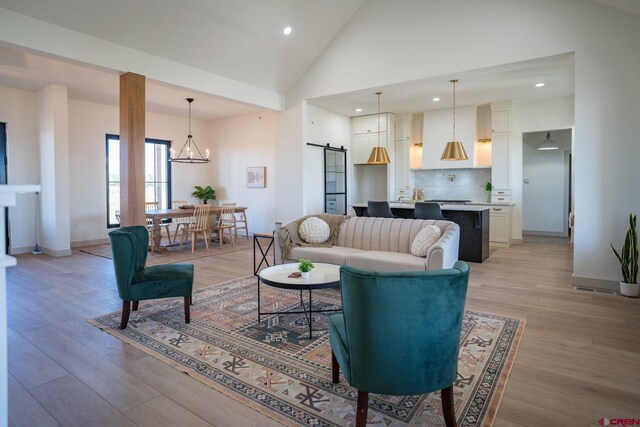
(454, 149)
(378, 154)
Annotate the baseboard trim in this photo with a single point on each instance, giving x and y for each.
(54, 253)
(545, 233)
(516, 241)
(19, 251)
(82, 243)
(589, 282)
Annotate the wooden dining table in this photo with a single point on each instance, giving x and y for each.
(158, 215)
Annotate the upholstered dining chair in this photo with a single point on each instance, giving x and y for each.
(226, 221)
(200, 224)
(427, 210)
(137, 283)
(398, 333)
(379, 209)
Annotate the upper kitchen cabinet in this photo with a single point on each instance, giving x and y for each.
(501, 117)
(362, 144)
(403, 129)
(368, 124)
(438, 130)
(501, 127)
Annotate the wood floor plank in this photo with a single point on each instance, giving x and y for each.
(115, 385)
(28, 364)
(72, 404)
(162, 412)
(25, 410)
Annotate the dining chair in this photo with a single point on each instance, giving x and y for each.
(200, 224)
(226, 221)
(154, 206)
(427, 210)
(180, 222)
(379, 209)
(240, 219)
(137, 283)
(399, 333)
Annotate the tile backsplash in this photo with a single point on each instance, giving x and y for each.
(467, 184)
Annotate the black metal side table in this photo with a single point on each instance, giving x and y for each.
(257, 242)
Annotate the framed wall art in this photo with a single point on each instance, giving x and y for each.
(256, 177)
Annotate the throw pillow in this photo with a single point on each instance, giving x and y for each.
(314, 230)
(424, 240)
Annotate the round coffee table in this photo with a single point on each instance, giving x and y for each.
(321, 277)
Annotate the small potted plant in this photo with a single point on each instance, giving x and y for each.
(488, 187)
(305, 266)
(628, 258)
(204, 194)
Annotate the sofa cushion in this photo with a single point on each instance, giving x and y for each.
(426, 238)
(314, 230)
(333, 255)
(386, 261)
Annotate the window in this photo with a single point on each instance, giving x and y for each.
(157, 173)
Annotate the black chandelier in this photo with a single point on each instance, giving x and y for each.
(190, 153)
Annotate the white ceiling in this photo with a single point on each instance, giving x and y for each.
(28, 71)
(631, 6)
(508, 82)
(237, 39)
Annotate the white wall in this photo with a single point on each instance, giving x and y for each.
(19, 110)
(237, 143)
(88, 124)
(323, 127)
(545, 186)
(605, 41)
(533, 116)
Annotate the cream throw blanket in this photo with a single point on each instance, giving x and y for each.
(289, 238)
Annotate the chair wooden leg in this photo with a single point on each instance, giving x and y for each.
(184, 233)
(194, 238)
(206, 240)
(135, 305)
(220, 236)
(190, 299)
(448, 409)
(335, 369)
(362, 408)
(187, 310)
(126, 306)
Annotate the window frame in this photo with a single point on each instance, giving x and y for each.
(166, 143)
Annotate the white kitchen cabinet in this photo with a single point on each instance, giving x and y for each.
(403, 130)
(500, 161)
(402, 165)
(368, 124)
(500, 121)
(500, 225)
(362, 144)
(438, 130)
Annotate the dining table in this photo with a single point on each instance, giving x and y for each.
(160, 214)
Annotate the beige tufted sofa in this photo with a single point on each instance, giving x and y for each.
(382, 244)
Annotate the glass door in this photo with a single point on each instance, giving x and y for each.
(335, 181)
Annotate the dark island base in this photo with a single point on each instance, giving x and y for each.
(474, 230)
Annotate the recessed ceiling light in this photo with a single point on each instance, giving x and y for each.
(287, 31)
(358, 110)
(539, 84)
(436, 99)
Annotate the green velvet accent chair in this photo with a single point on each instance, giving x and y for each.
(129, 247)
(399, 333)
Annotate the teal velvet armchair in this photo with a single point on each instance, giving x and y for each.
(129, 247)
(399, 333)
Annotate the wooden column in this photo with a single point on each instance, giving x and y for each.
(132, 134)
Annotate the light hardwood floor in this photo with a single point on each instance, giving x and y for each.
(579, 359)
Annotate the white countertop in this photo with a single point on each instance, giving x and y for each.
(468, 208)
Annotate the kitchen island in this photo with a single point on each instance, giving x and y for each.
(472, 219)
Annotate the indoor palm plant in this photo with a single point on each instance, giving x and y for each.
(204, 194)
(628, 258)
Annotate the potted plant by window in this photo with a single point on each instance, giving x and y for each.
(628, 258)
(204, 194)
(488, 187)
(305, 266)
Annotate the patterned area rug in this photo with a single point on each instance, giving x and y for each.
(174, 254)
(274, 367)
